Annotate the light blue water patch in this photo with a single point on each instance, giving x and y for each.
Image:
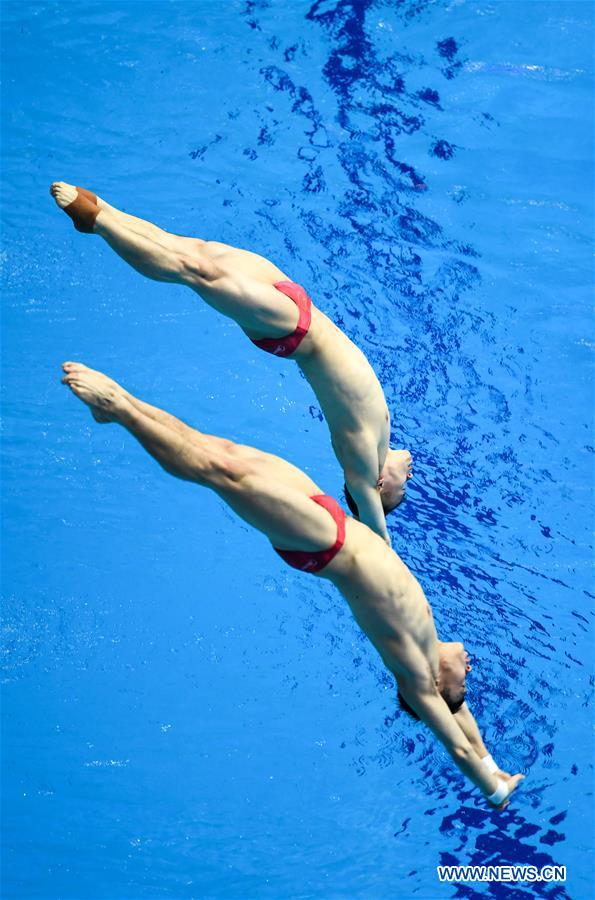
(183, 715)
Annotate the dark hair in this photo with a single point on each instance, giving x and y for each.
(353, 505)
(389, 509)
(406, 708)
(453, 705)
(351, 502)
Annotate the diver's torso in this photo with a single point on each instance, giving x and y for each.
(346, 386)
(387, 601)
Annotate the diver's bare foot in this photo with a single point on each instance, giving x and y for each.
(63, 193)
(73, 367)
(104, 397)
(60, 188)
(78, 203)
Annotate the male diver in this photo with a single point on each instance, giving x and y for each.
(310, 531)
(279, 317)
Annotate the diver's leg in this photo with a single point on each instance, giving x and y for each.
(142, 226)
(153, 412)
(148, 256)
(139, 226)
(152, 257)
(180, 450)
(256, 306)
(246, 262)
(285, 515)
(217, 272)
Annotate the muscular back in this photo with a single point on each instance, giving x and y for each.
(387, 602)
(348, 391)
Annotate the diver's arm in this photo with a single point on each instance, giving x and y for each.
(468, 726)
(358, 454)
(434, 712)
(369, 505)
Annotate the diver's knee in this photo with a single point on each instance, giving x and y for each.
(232, 467)
(196, 267)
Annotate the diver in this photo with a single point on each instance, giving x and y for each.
(310, 532)
(279, 317)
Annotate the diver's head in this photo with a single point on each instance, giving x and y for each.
(390, 484)
(453, 666)
(392, 480)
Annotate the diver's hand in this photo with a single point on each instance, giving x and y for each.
(500, 773)
(511, 784)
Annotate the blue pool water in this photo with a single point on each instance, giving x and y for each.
(184, 716)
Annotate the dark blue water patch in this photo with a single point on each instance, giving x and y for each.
(442, 150)
(200, 151)
(303, 104)
(431, 96)
(314, 181)
(447, 48)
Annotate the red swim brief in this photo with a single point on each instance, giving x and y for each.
(285, 346)
(315, 560)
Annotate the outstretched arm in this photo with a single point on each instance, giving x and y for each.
(369, 505)
(358, 454)
(433, 711)
(468, 726)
